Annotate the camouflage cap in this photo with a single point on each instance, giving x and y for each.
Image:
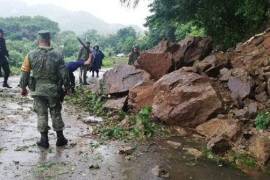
(44, 35)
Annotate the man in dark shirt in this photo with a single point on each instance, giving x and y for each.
(3, 59)
(73, 66)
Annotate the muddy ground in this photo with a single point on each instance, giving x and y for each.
(86, 156)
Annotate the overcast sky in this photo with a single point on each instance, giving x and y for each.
(109, 10)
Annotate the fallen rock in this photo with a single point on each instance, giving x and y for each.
(239, 89)
(225, 75)
(260, 147)
(156, 64)
(116, 104)
(174, 144)
(141, 96)
(190, 50)
(184, 98)
(219, 145)
(220, 126)
(127, 150)
(94, 166)
(212, 64)
(92, 120)
(194, 152)
(122, 78)
(253, 109)
(179, 131)
(160, 172)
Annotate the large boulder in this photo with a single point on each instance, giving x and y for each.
(184, 98)
(141, 96)
(156, 64)
(229, 128)
(122, 78)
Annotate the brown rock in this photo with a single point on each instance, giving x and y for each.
(122, 78)
(225, 74)
(262, 97)
(239, 89)
(253, 109)
(194, 152)
(184, 98)
(212, 64)
(156, 64)
(216, 127)
(141, 96)
(260, 147)
(192, 49)
(116, 104)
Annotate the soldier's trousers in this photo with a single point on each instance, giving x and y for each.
(44, 105)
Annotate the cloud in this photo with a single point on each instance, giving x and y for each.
(109, 10)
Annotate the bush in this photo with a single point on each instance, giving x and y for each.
(262, 120)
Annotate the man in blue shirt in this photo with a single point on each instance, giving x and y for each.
(73, 66)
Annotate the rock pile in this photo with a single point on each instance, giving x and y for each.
(219, 94)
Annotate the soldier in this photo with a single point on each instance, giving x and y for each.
(84, 55)
(134, 55)
(3, 59)
(48, 76)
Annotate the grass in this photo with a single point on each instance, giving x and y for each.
(110, 62)
(15, 70)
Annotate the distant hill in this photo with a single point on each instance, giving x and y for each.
(78, 21)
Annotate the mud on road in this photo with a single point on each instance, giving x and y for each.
(87, 157)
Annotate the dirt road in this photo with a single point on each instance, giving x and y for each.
(87, 157)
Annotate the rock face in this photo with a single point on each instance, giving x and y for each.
(141, 96)
(156, 64)
(184, 98)
(229, 128)
(122, 78)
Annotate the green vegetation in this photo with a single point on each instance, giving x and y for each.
(88, 101)
(117, 125)
(242, 161)
(228, 22)
(262, 120)
(131, 126)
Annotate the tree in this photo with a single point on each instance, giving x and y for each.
(228, 22)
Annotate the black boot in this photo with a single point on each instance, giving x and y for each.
(5, 84)
(44, 141)
(61, 140)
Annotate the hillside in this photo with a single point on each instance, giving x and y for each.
(78, 21)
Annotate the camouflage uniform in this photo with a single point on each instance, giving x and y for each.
(84, 55)
(48, 75)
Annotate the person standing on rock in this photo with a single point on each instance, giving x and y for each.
(84, 55)
(3, 59)
(49, 74)
(134, 55)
